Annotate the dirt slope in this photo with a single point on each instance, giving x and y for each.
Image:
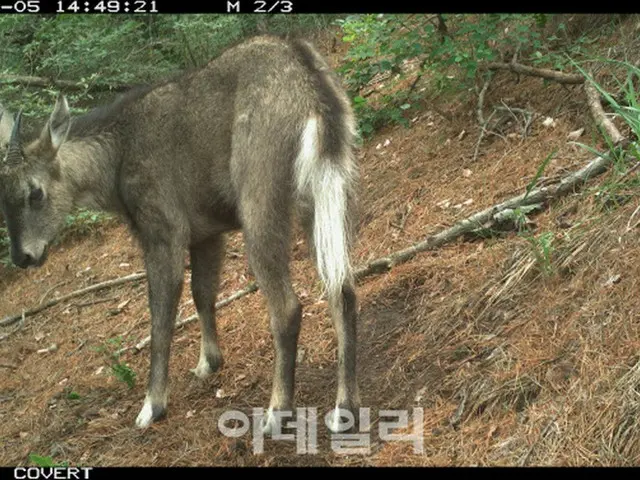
(510, 366)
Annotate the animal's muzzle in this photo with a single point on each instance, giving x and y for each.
(24, 260)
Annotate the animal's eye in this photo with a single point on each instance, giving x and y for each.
(36, 195)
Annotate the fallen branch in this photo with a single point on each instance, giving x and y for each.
(481, 95)
(593, 100)
(253, 287)
(69, 85)
(560, 77)
(568, 184)
(481, 120)
(98, 286)
(17, 329)
(94, 302)
(527, 115)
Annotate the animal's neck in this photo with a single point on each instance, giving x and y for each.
(90, 168)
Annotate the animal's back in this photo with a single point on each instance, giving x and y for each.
(192, 137)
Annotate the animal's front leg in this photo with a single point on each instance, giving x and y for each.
(165, 273)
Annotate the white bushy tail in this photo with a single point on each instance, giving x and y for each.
(326, 182)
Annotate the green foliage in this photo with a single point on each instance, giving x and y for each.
(48, 461)
(542, 247)
(71, 395)
(120, 370)
(519, 216)
(124, 373)
(618, 188)
(110, 50)
(541, 168)
(381, 45)
(83, 222)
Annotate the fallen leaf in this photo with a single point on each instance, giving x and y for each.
(575, 134)
(51, 348)
(466, 173)
(549, 122)
(121, 305)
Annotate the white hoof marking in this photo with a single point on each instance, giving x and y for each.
(340, 420)
(145, 417)
(203, 370)
(269, 423)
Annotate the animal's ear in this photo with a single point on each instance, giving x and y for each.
(6, 126)
(55, 132)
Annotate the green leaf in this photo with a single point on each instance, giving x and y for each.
(539, 173)
(41, 461)
(385, 65)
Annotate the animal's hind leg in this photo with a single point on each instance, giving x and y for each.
(266, 232)
(206, 263)
(343, 307)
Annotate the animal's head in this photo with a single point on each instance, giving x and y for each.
(33, 197)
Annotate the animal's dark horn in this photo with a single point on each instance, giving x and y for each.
(14, 152)
(15, 133)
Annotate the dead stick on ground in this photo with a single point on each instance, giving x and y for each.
(95, 302)
(98, 286)
(481, 95)
(480, 115)
(46, 294)
(17, 329)
(568, 184)
(560, 77)
(593, 99)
